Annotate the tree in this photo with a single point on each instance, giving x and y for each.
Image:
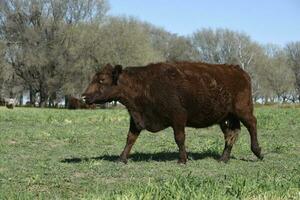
(224, 46)
(293, 53)
(181, 49)
(279, 77)
(170, 47)
(123, 40)
(10, 84)
(40, 39)
(207, 44)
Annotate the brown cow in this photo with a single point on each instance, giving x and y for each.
(74, 103)
(177, 95)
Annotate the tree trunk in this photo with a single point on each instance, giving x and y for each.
(21, 99)
(11, 95)
(293, 99)
(266, 99)
(52, 99)
(31, 96)
(43, 99)
(66, 101)
(50, 103)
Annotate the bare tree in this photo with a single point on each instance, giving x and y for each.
(123, 40)
(208, 44)
(279, 76)
(224, 46)
(40, 38)
(293, 52)
(170, 47)
(181, 49)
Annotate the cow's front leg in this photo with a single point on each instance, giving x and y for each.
(179, 136)
(133, 134)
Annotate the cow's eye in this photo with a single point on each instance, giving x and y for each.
(101, 80)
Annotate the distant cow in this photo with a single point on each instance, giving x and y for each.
(10, 103)
(74, 103)
(177, 95)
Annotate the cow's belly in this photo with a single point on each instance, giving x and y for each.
(155, 127)
(202, 120)
(207, 112)
(149, 121)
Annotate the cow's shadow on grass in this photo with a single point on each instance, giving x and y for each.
(142, 157)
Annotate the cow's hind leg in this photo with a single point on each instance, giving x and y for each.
(231, 129)
(133, 134)
(249, 120)
(179, 136)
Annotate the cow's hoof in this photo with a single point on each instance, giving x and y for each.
(122, 160)
(257, 152)
(261, 157)
(183, 162)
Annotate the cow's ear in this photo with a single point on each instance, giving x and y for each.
(115, 74)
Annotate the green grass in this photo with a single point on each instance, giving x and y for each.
(62, 154)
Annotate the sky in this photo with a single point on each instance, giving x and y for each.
(265, 21)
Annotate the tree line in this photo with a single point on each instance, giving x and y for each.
(51, 48)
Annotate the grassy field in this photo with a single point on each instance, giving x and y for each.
(62, 154)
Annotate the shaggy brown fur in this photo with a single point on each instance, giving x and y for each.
(179, 95)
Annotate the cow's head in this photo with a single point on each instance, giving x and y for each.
(104, 85)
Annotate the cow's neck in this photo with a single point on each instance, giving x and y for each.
(132, 89)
